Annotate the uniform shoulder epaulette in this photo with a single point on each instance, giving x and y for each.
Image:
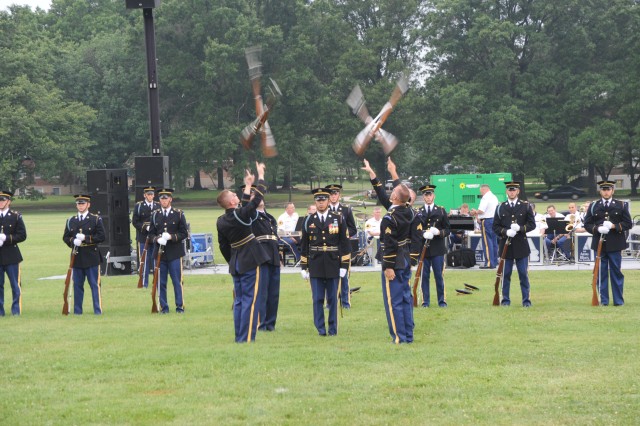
(139, 202)
(178, 210)
(94, 214)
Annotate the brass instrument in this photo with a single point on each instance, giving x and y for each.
(572, 223)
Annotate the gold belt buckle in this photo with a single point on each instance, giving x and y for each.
(324, 248)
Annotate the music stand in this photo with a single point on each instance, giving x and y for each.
(556, 225)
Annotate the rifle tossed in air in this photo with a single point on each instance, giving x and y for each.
(373, 128)
(260, 124)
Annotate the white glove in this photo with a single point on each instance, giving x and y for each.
(607, 224)
(162, 241)
(428, 235)
(434, 230)
(515, 227)
(1, 243)
(603, 229)
(343, 272)
(80, 236)
(77, 242)
(305, 274)
(3, 237)
(511, 233)
(146, 228)
(166, 236)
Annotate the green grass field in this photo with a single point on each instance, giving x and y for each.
(560, 362)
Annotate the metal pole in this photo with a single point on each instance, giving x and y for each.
(152, 78)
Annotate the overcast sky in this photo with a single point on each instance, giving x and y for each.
(42, 4)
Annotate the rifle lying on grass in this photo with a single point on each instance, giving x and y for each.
(496, 296)
(67, 282)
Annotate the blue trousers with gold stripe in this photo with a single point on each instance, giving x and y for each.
(248, 289)
(490, 242)
(270, 298)
(398, 305)
(522, 265)
(437, 264)
(610, 265)
(92, 275)
(319, 288)
(13, 273)
(174, 269)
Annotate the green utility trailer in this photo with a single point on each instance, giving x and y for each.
(454, 190)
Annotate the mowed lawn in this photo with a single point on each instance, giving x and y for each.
(560, 362)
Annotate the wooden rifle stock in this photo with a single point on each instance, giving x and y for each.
(496, 296)
(143, 261)
(416, 280)
(67, 282)
(596, 274)
(156, 273)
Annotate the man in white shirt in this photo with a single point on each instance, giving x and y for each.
(484, 214)
(372, 228)
(557, 239)
(287, 222)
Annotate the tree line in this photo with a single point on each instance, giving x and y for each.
(543, 89)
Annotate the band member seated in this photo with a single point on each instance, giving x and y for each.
(325, 258)
(557, 239)
(287, 222)
(458, 237)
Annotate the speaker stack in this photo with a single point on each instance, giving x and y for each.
(110, 199)
(151, 171)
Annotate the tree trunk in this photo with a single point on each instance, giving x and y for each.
(220, 171)
(197, 184)
(592, 178)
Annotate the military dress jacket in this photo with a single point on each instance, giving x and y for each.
(325, 247)
(350, 221)
(265, 228)
(13, 227)
(618, 214)
(424, 221)
(505, 215)
(91, 226)
(142, 218)
(395, 237)
(175, 224)
(237, 242)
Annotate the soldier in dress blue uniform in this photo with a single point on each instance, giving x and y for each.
(83, 232)
(395, 247)
(325, 255)
(141, 220)
(265, 228)
(511, 222)
(347, 213)
(168, 229)
(247, 258)
(432, 224)
(609, 219)
(12, 232)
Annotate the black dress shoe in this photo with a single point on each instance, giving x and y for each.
(486, 267)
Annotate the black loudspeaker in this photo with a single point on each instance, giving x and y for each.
(142, 4)
(110, 204)
(107, 180)
(116, 230)
(116, 260)
(152, 171)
